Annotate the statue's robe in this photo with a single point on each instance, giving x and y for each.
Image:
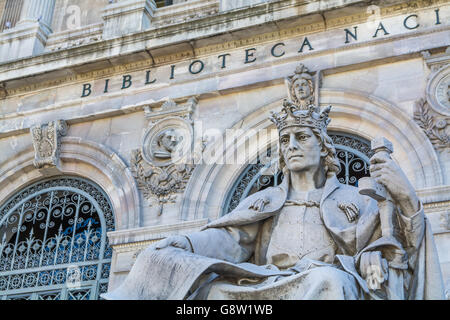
(229, 259)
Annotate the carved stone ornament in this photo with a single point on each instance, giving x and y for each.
(302, 87)
(438, 90)
(434, 126)
(46, 143)
(163, 166)
(438, 87)
(433, 113)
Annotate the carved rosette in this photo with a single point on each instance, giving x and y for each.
(163, 166)
(46, 143)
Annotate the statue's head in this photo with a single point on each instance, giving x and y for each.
(303, 139)
(169, 140)
(301, 87)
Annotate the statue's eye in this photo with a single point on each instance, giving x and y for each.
(284, 140)
(302, 137)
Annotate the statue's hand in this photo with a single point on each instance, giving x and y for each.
(386, 171)
(259, 204)
(174, 241)
(373, 269)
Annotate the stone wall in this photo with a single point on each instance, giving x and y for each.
(223, 67)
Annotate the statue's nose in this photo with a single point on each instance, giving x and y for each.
(293, 144)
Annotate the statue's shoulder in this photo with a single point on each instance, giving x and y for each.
(273, 197)
(256, 207)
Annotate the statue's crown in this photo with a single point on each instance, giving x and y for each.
(295, 115)
(299, 110)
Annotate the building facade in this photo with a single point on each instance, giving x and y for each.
(98, 98)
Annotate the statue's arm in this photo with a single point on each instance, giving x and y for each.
(410, 214)
(233, 244)
(413, 226)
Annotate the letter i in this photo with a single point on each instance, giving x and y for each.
(106, 86)
(172, 71)
(437, 16)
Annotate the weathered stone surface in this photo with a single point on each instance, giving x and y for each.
(372, 82)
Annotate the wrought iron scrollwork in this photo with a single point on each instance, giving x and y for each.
(53, 241)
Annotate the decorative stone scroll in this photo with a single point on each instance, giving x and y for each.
(163, 166)
(46, 143)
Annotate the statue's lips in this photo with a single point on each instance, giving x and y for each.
(295, 156)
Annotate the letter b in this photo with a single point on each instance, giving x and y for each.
(268, 309)
(86, 90)
(126, 82)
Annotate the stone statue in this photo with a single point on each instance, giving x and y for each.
(166, 143)
(301, 87)
(309, 238)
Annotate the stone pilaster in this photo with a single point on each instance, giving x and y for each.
(38, 11)
(127, 16)
(29, 36)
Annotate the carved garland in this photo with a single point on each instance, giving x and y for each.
(433, 128)
(160, 183)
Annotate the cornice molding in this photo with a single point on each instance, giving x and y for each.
(154, 60)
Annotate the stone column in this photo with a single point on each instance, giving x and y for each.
(29, 36)
(127, 16)
(38, 10)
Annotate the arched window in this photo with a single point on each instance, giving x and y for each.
(353, 153)
(53, 243)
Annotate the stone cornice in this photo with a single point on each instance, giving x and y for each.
(23, 119)
(145, 45)
(25, 30)
(431, 197)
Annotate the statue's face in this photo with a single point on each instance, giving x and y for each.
(170, 140)
(302, 89)
(301, 149)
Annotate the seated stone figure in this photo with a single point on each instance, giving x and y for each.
(309, 238)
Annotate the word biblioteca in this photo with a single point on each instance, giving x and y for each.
(248, 56)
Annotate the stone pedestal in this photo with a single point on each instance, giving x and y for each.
(126, 17)
(30, 35)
